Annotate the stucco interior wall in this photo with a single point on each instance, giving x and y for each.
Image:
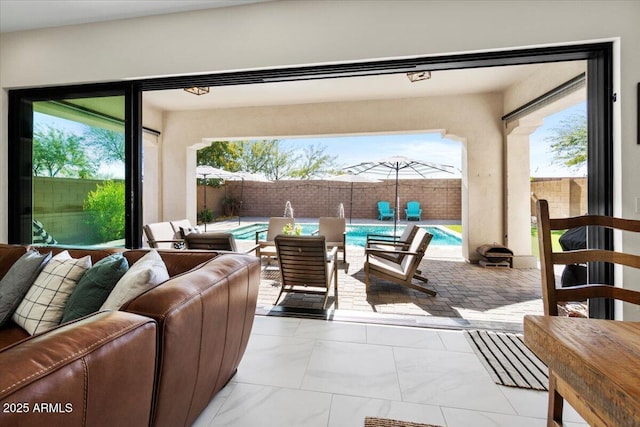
(475, 119)
(359, 30)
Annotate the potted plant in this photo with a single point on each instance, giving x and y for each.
(229, 205)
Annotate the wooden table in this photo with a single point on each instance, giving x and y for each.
(593, 364)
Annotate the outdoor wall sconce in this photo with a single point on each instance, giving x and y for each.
(416, 76)
(197, 90)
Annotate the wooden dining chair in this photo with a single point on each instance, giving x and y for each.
(306, 267)
(559, 390)
(551, 294)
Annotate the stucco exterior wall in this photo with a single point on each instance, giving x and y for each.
(293, 33)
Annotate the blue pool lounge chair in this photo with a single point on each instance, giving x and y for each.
(413, 210)
(385, 210)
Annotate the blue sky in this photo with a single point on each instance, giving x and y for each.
(428, 147)
(433, 148)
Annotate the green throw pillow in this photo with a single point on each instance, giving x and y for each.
(94, 287)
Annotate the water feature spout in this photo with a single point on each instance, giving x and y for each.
(340, 210)
(288, 210)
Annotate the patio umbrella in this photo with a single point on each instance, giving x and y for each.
(205, 172)
(398, 166)
(350, 177)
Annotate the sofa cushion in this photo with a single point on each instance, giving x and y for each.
(43, 305)
(144, 274)
(9, 254)
(15, 284)
(95, 286)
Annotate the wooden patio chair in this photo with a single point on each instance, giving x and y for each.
(335, 232)
(393, 246)
(266, 242)
(305, 264)
(551, 295)
(402, 272)
(221, 241)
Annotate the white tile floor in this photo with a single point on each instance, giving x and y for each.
(307, 373)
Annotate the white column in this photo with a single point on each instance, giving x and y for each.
(518, 192)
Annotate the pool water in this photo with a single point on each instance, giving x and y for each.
(356, 233)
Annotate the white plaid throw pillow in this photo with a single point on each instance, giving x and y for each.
(43, 305)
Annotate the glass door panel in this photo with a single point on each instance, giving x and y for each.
(78, 172)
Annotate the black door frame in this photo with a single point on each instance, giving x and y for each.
(599, 58)
(20, 121)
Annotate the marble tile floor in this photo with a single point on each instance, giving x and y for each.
(307, 373)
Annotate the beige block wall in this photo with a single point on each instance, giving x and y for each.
(439, 198)
(566, 196)
(58, 205)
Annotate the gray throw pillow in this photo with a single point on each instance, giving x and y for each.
(94, 287)
(15, 284)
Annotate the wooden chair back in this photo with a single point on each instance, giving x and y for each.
(551, 295)
(213, 241)
(304, 264)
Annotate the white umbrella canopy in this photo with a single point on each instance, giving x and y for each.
(395, 167)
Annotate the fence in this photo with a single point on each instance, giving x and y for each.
(439, 198)
(566, 196)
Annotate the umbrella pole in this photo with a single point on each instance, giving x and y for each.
(241, 200)
(351, 204)
(204, 214)
(397, 213)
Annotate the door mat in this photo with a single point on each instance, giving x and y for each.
(508, 360)
(384, 422)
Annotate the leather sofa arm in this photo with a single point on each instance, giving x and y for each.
(204, 318)
(97, 371)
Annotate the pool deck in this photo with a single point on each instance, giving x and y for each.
(469, 296)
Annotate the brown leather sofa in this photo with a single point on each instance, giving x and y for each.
(157, 362)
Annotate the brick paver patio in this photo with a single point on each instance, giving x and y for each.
(466, 291)
(468, 294)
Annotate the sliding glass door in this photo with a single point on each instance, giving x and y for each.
(75, 166)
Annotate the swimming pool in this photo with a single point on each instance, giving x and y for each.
(356, 233)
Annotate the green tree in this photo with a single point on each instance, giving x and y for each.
(569, 142)
(58, 153)
(222, 154)
(268, 157)
(313, 163)
(106, 144)
(105, 206)
(271, 158)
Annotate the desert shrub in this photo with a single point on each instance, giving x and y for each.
(105, 206)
